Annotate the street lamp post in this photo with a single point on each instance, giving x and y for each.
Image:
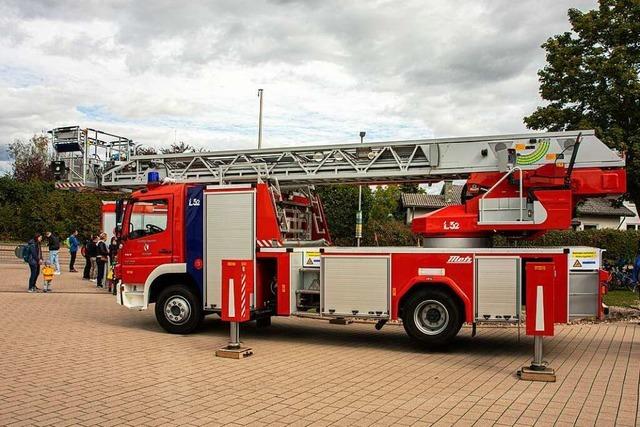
(359, 213)
(260, 96)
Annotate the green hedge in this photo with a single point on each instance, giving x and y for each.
(619, 244)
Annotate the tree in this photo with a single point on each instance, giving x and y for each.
(591, 80)
(174, 148)
(385, 205)
(382, 218)
(145, 151)
(340, 206)
(31, 159)
(178, 147)
(411, 187)
(28, 207)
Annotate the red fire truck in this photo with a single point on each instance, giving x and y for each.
(242, 234)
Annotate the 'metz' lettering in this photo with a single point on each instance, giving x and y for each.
(457, 259)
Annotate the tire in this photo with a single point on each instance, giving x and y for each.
(432, 317)
(178, 310)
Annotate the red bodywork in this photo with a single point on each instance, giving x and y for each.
(541, 295)
(237, 287)
(141, 256)
(448, 268)
(545, 185)
(460, 277)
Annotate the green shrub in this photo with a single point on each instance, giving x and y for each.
(389, 232)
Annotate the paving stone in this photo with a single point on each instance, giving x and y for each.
(74, 357)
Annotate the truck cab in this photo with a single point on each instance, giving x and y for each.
(173, 238)
(151, 241)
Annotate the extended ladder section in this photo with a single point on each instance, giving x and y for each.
(368, 163)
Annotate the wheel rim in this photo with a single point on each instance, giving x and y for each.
(431, 317)
(177, 310)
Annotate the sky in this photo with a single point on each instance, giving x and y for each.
(163, 71)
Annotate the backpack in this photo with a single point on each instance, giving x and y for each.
(24, 252)
(67, 242)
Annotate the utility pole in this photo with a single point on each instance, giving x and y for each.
(359, 213)
(260, 96)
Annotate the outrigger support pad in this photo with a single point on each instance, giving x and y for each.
(538, 370)
(234, 350)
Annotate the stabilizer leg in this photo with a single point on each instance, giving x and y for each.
(234, 350)
(538, 370)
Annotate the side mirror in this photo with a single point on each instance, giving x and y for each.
(119, 211)
(119, 215)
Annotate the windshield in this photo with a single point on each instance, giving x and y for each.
(147, 217)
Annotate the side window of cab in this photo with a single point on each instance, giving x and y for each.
(148, 217)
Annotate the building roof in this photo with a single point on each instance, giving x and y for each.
(603, 207)
(432, 201)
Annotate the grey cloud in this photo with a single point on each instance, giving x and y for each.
(438, 41)
(81, 46)
(456, 67)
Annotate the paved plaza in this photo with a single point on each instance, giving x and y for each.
(74, 357)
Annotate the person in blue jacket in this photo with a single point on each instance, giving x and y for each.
(636, 267)
(34, 259)
(74, 244)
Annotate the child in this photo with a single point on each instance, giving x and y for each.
(47, 272)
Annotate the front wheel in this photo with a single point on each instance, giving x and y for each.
(432, 317)
(178, 310)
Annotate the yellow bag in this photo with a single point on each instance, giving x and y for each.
(110, 274)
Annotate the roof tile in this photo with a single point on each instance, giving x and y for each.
(431, 201)
(603, 207)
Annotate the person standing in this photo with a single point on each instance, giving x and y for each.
(73, 250)
(113, 250)
(102, 256)
(113, 253)
(54, 249)
(92, 252)
(34, 259)
(47, 274)
(86, 272)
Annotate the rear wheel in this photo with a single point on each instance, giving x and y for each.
(432, 317)
(178, 310)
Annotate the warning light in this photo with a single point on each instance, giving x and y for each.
(153, 177)
(197, 264)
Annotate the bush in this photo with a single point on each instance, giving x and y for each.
(390, 232)
(36, 206)
(619, 244)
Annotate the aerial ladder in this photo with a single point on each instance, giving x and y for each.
(519, 185)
